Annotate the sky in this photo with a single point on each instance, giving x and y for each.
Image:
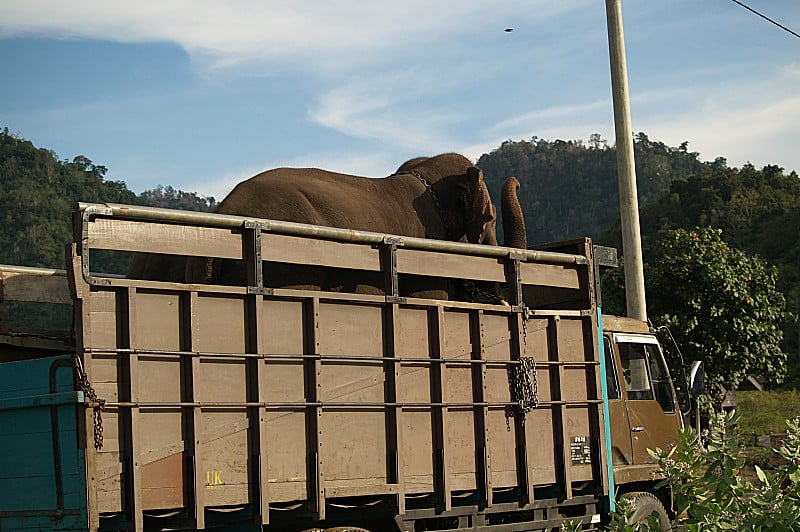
(202, 94)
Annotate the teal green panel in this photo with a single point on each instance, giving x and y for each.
(42, 470)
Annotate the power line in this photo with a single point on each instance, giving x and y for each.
(781, 26)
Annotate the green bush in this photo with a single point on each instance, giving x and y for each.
(709, 492)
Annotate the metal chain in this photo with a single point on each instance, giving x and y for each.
(526, 383)
(98, 405)
(435, 198)
(469, 286)
(473, 292)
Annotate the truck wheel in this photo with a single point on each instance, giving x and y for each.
(644, 504)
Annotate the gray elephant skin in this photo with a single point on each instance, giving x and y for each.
(456, 207)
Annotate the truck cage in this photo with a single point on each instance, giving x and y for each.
(269, 405)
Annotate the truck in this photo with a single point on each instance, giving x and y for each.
(176, 406)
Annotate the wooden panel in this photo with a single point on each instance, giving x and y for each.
(157, 325)
(355, 439)
(460, 430)
(284, 326)
(224, 443)
(220, 322)
(541, 446)
(127, 235)
(417, 262)
(287, 447)
(500, 425)
(39, 287)
(577, 426)
(558, 275)
(413, 340)
(503, 437)
(101, 330)
(299, 250)
(351, 329)
(572, 345)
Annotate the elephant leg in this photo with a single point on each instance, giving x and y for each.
(426, 287)
(359, 282)
(296, 277)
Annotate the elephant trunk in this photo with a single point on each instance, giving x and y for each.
(513, 219)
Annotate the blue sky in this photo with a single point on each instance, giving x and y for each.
(201, 94)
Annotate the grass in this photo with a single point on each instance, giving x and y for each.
(767, 412)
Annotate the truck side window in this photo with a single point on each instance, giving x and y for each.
(661, 381)
(634, 369)
(612, 383)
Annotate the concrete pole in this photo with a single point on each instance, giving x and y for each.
(626, 168)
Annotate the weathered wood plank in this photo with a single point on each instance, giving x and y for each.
(36, 285)
(299, 250)
(127, 235)
(415, 262)
(558, 275)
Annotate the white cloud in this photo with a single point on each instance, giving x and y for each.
(311, 34)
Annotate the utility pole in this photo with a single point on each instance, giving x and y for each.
(626, 168)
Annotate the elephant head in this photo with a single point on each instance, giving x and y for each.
(466, 205)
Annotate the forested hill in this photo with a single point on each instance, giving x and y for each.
(570, 189)
(37, 194)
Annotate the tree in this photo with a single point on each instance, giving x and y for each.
(721, 305)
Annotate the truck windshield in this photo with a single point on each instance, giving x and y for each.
(646, 376)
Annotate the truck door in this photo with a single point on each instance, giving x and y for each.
(621, 451)
(648, 393)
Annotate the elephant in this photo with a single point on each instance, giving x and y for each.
(441, 197)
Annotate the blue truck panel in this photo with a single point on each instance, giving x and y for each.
(42, 477)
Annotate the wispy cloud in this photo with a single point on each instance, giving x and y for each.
(314, 34)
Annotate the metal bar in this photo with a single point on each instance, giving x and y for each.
(346, 235)
(389, 265)
(337, 358)
(31, 270)
(394, 413)
(134, 432)
(55, 432)
(313, 373)
(319, 404)
(560, 415)
(35, 401)
(523, 450)
(196, 420)
(438, 382)
(480, 388)
(256, 371)
(606, 447)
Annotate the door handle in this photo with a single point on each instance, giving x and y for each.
(637, 429)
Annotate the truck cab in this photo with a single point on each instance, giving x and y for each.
(643, 406)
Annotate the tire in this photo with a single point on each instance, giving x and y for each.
(645, 504)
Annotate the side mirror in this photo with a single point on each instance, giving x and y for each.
(697, 378)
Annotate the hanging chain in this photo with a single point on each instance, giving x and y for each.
(98, 405)
(435, 198)
(526, 384)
